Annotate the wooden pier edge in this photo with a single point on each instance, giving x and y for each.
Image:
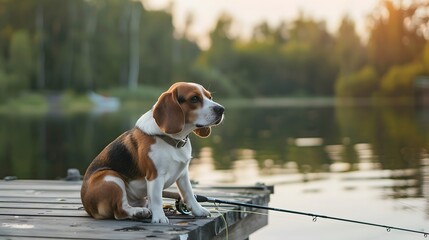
(31, 209)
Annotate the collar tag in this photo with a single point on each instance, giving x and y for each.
(181, 143)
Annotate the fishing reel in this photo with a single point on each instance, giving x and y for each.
(181, 207)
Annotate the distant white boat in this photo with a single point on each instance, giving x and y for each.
(103, 103)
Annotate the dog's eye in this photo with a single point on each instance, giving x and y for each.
(194, 99)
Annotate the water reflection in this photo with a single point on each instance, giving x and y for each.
(281, 141)
(394, 183)
(362, 191)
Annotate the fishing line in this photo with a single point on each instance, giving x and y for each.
(220, 210)
(216, 210)
(225, 210)
(314, 216)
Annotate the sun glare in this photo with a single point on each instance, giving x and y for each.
(248, 13)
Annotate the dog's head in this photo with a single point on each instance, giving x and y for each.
(187, 105)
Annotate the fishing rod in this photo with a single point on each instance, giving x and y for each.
(181, 207)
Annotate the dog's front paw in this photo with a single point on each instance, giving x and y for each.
(200, 212)
(159, 218)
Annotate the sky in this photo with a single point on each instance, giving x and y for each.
(248, 13)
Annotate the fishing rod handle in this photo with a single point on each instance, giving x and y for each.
(175, 195)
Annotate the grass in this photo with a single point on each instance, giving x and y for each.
(71, 102)
(141, 97)
(31, 103)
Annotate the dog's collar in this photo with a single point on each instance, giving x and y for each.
(177, 143)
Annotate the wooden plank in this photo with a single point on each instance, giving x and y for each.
(87, 228)
(41, 194)
(43, 212)
(100, 229)
(16, 205)
(76, 194)
(12, 199)
(41, 185)
(47, 211)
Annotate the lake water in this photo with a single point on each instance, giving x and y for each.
(361, 162)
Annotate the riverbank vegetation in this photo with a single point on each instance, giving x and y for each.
(124, 50)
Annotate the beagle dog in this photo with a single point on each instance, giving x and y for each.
(126, 180)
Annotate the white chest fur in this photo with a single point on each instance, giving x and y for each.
(169, 161)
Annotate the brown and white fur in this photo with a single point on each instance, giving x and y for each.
(139, 164)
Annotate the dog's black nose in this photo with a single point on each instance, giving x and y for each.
(218, 110)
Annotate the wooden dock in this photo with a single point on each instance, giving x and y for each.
(31, 209)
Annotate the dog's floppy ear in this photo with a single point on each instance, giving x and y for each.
(168, 114)
(203, 132)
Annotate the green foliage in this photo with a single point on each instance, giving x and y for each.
(86, 46)
(21, 59)
(259, 61)
(279, 60)
(425, 59)
(4, 79)
(137, 94)
(396, 34)
(399, 80)
(157, 48)
(28, 103)
(394, 49)
(74, 102)
(359, 84)
(349, 52)
(215, 79)
(17, 72)
(217, 67)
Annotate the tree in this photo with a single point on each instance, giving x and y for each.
(363, 83)
(21, 61)
(264, 33)
(220, 54)
(135, 19)
(185, 53)
(396, 34)
(399, 80)
(425, 58)
(217, 65)
(349, 51)
(156, 52)
(317, 70)
(263, 66)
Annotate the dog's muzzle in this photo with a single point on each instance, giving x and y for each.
(218, 110)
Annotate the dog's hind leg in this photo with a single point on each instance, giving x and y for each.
(123, 209)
